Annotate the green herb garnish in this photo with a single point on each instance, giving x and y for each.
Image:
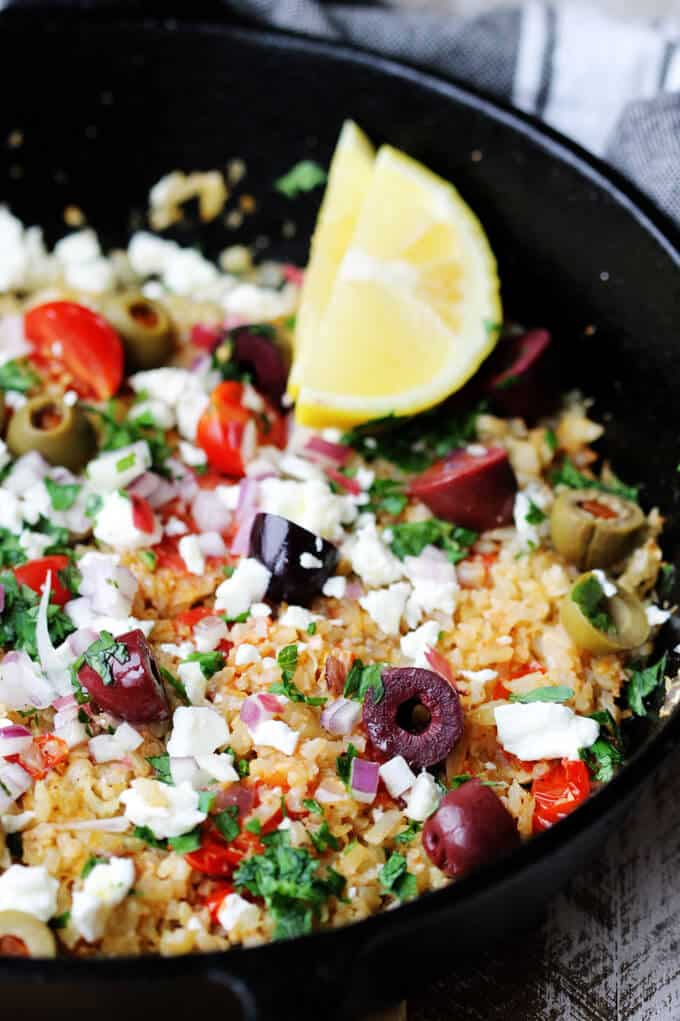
(227, 822)
(569, 475)
(409, 834)
(388, 497)
(323, 839)
(556, 693)
(161, 767)
(101, 656)
(91, 863)
(175, 684)
(534, 516)
(644, 681)
(396, 879)
(20, 615)
(287, 660)
(591, 600)
(62, 496)
(209, 662)
(362, 679)
(19, 376)
(411, 538)
(303, 177)
(343, 764)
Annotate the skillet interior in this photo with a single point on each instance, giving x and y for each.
(113, 107)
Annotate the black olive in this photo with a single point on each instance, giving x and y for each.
(471, 826)
(260, 356)
(419, 716)
(300, 562)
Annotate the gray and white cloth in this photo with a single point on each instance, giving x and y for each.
(612, 85)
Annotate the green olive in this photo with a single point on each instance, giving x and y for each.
(144, 328)
(61, 432)
(593, 529)
(602, 624)
(22, 935)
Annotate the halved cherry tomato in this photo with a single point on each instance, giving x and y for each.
(213, 901)
(190, 618)
(53, 749)
(229, 432)
(34, 573)
(143, 517)
(73, 336)
(215, 857)
(559, 792)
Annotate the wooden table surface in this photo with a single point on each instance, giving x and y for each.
(609, 949)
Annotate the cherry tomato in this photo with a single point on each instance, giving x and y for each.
(53, 749)
(559, 792)
(229, 432)
(143, 517)
(213, 901)
(34, 574)
(215, 857)
(80, 341)
(190, 618)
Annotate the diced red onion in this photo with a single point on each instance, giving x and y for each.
(319, 448)
(353, 590)
(364, 780)
(201, 363)
(209, 512)
(247, 496)
(258, 708)
(293, 274)
(439, 664)
(341, 716)
(79, 641)
(240, 544)
(14, 740)
(65, 701)
(350, 485)
(22, 683)
(209, 632)
(14, 780)
(144, 485)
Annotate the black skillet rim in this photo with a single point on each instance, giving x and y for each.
(642, 764)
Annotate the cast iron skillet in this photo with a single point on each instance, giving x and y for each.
(106, 107)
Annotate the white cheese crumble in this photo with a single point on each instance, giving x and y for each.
(423, 799)
(111, 747)
(29, 888)
(311, 504)
(415, 644)
(370, 558)
(246, 654)
(235, 914)
(189, 549)
(115, 526)
(107, 885)
(297, 617)
(656, 616)
(167, 811)
(543, 730)
(386, 606)
(335, 587)
(276, 734)
(192, 455)
(308, 561)
(194, 681)
(397, 775)
(196, 731)
(116, 469)
(175, 526)
(248, 584)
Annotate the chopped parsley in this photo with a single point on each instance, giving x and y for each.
(175, 684)
(313, 806)
(60, 921)
(227, 822)
(605, 756)
(91, 862)
(12, 553)
(209, 662)
(206, 800)
(254, 826)
(569, 475)
(240, 619)
(409, 834)
(161, 767)
(362, 679)
(343, 764)
(116, 434)
(242, 766)
(19, 376)
(534, 516)
(551, 440)
(128, 461)
(666, 582)
(187, 842)
(286, 878)
(413, 443)
(410, 539)
(323, 839)
(396, 879)
(644, 681)
(303, 177)
(556, 693)
(62, 496)
(20, 615)
(591, 600)
(387, 496)
(507, 382)
(287, 659)
(148, 836)
(101, 655)
(311, 628)
(149, 559)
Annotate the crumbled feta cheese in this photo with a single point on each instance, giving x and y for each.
(34, 544)
(237, 915)
(160, 413)
(397, 775)
(97, 275)
(111, 747)
(335, 587)
(189, 549)
(246, 654)
(77, 248)
(248, 584)
(540, 496)
(308, 561)
(115, 526)
(191, 454)
(370, 558)
(297, 617)
(107, 885)
(543, 730)
(175, 526)
(220, 767)
(109, 586)
(415, 644)
(229, 496)
(260, 610)
(209, 632)
(479, 676)
(385, 606)
(167, 811)
(180, 651)
(311, 504)
(608, 587)
(194, 681)
(251, 399)
(435, 585)
(423, 799)
(116, 469)
(365, 477)
(184, 391)
(11, 513)
(296, 467)
(276, 734)
(29, 888)
(656, 616)
(196, 731)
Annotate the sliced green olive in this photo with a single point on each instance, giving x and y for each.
(22, 935)
(593, 529)
(602, 624)
(144, 328)
(61, 432)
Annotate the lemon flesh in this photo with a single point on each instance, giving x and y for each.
(413, 308)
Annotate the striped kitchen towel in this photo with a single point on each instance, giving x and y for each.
(612, 85)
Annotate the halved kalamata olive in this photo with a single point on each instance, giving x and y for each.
(519, 385)
(419, 716)
(300, 562)
(475, 490)
(131, 688)
(260, 356)
(470, 827)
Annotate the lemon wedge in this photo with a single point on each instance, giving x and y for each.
(403, 312)
(348, 180)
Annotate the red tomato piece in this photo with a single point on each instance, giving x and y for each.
(87, 347)
(213, 901)
(34, 574)
(190, 618)
(228, 432)
(215, 857)
(559, 792)
(143, 517)
(53, 749)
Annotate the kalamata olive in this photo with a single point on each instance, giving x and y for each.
(300, 562)
(132, 689)
(519, 383)
(235, 794)
(419, 716)
(257, 354)
(594, 529)
(474, 490)
(61, 432)
(470, 827)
